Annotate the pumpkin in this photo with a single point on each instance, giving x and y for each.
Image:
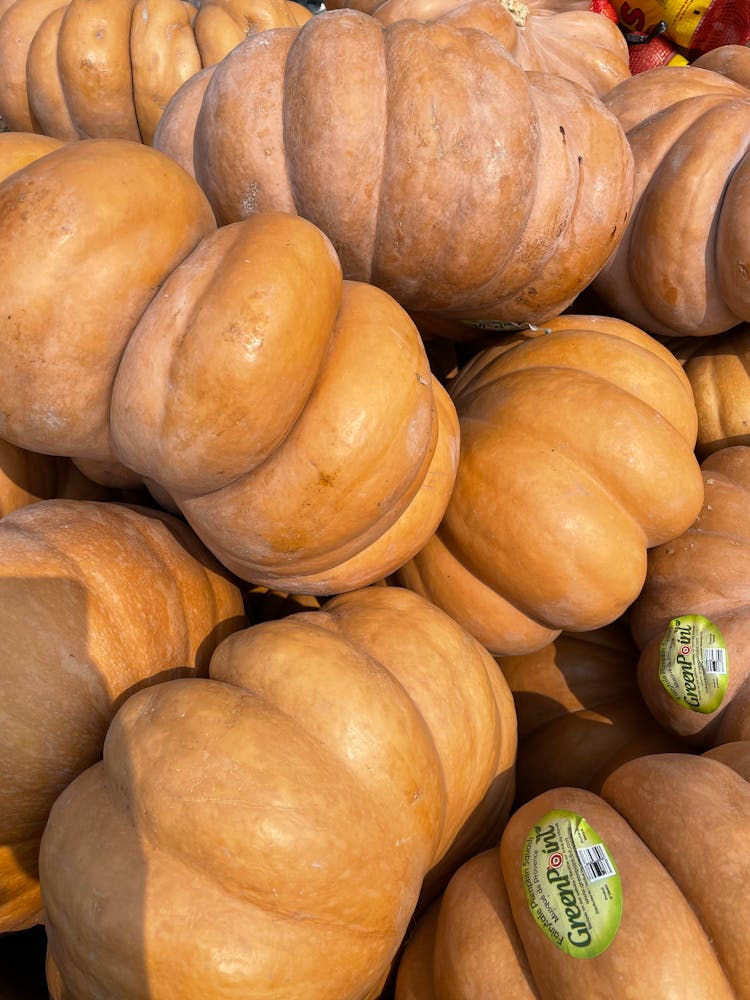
(688, 129)
(445, 174)
(564, 37)
(107, 68)
(268, 829)
(99, 599)
(580, 711)
(326, 486)
(19, 148)
(732, 61)
(716, 368)
(654, 908)
(691, 620)
(571, 445)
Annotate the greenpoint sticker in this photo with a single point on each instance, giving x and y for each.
(693, 663)
(572, 885)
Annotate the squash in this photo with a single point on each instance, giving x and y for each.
(729, 60)
(660, 911)
(107, 68)
(688, 129)
(691, 619)
(717, 367)
(267, 830)
(580, 711)
(99, 599)
(440, 171)
(327, 486)
(564, 37)
(571, 445)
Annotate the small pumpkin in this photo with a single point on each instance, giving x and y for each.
(445, 174)
(688, 130)
(571, 445)
(98, 600)
(268, 829)
(638, 912)
(580, 711)
(691, 619)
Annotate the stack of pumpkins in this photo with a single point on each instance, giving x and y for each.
(497, 722)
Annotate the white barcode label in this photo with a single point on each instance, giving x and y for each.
(715, 660)
(595, 862)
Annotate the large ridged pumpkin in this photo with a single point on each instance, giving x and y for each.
(682, 267)
(439, 169)
(552, 36)
(674, 826)
(98, 600)
(290, 415)
(107, 68)
(692, 619)
(266, 832)
(572, 445)
(580, 711)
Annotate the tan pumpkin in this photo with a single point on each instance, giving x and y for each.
(717, 367)
(571, 445)
(674, 827)
(688, 129)
(580, 711)
(444, 173)
(98, 600)
(692, 619)
(267, 830)
(564, 37)
(324, 486)
(107, 68)
(729, 60)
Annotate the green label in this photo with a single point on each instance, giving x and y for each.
(572, 886)
(693, 663)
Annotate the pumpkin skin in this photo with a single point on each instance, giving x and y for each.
(92, 189)
(107, 68)
(565, 38)
(327, 487)
(571, 443)
(702, 572)
(690, 197)
(729, 60)
(351, 698)
(99, 599)
(717, 369)
(480, 939)
(448, 176)
(580, 711)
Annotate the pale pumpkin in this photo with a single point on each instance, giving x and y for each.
(674, 826)
(266, 832)
(580, 711)
(729, 60)
(682, 267)
(552, 36)
(692, 619)
(440, 170)
(107, 68)
(321, 486)
(571, 445)
(98, 600)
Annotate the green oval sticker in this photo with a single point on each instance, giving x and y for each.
(572, 885)
(693, 663)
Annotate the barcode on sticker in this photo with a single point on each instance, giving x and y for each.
(595, 862)
(715, 660)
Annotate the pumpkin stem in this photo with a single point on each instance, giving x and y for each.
(518, 11)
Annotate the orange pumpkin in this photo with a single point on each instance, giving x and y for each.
(564, 37)
(691, 619)
(325, 486)
(682, 267)
(445, 174)
(98, 600)
(571, 445)
(638, 913)
(267, 830)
